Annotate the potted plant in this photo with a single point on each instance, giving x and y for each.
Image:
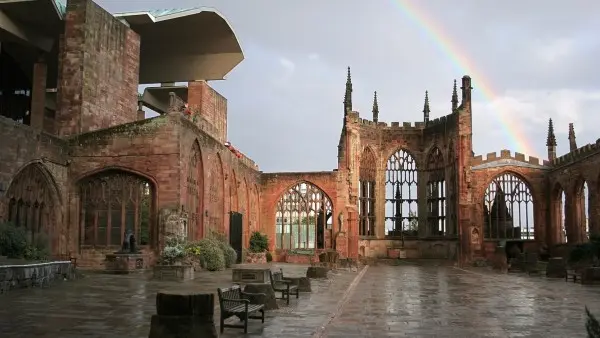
(257, 251)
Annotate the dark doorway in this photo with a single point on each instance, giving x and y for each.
(235, 233)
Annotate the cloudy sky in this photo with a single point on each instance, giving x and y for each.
(530, 60)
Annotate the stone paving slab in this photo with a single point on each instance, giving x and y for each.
(425, 301)
(115, 306)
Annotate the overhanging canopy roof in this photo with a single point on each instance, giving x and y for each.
(184, 45)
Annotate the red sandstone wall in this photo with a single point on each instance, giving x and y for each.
(229, 184)
(273, 185)
(99, 71)
(211, 105)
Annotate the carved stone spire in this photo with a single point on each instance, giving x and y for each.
(572, 142)
(348, 94)
(426, 109)
(551, 141)
(375, 109)
(454, 97)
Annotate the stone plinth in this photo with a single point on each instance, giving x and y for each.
(316, 272)
(590, 275)
(183, 315)
(556, 268)
(248, 273)
(262, 293)
(303, 283)
(125, 263)
(174, 272)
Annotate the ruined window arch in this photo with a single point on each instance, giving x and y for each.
(195, 193)
(32, 200)
(401, 207)
(581, 206)
(508, 209)
(114, 202)
(233, 192)
(215, 185)
(436, 193)
(366, 193)
(558, 210)
(452, 191)
(302, 215)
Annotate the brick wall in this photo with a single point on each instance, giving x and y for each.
(99, 70)
(211, 105)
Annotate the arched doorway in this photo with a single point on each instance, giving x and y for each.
(558, 231)
(581, 209)
(116, 202)
(34, 203)
(303, 214)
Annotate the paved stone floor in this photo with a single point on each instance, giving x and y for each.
(388, 301)
(421, 301)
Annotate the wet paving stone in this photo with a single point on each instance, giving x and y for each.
(101, 305)
(425, 301)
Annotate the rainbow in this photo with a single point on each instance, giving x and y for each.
(519, 142)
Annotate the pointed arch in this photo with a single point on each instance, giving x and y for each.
(216, 197)
(195, 192)
(302, 214)
(243, 208)
(558, 208)
(233, 192)
(366, 192)
(401, 193)
(256, 210)
(34, 203)
(114, 202)
(581, 208)
(452, 191)
(508, 208)
(436, 193)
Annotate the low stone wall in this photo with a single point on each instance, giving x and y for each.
(36, 274)
(414, 248)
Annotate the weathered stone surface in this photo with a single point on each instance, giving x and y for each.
(316, 272)
(177, 272)
(124, 263)
(250, 273)
(303, 283)
(556, 268)
(33, 274)
(183, 315)
(590, 275)
(256, 258)
(262, 294)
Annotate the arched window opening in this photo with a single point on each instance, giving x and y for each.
(508, 209)
(562, 213)
(31, 203)
(581, 207)
(436, 193)
(452, 188)
(366, 190)
(114, 203)
(302, 215)
(401, 207)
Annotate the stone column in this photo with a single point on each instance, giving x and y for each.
(183, 315)
(141, 114)
(38, 94)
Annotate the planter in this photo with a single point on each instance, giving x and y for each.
(256, 258)
(174, 272)
(300, 259)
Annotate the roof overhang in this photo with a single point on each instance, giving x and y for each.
(157, 98)
(184, 45)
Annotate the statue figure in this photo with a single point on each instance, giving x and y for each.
(129, 243)
(125, 245)
(132, 244)
(341, 220)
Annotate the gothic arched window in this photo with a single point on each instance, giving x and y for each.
(401, 208)
(366, 193)
(508, 209)
(303, 213)
(436, 193)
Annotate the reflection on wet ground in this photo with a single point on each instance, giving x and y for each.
(389, 301)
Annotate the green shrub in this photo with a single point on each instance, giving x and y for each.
(38, 249)
(258, 242)
(15, 243)
(209, 252)
(173, 251)
(269, 256)
(229, 253)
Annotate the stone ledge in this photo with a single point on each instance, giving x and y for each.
(36, 274)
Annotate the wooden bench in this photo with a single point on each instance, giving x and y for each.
(284, 286)
(233, 303)
(573, 274)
